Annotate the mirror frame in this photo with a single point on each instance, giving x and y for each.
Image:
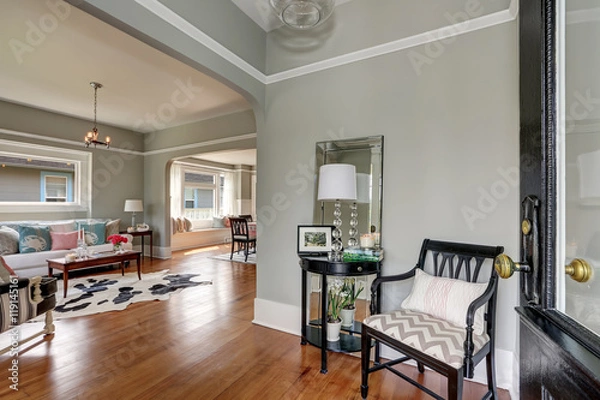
(325, 149)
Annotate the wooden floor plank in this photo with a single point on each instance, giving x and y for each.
(199, 344)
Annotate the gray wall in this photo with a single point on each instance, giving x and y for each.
(165, 146)
(448, 133)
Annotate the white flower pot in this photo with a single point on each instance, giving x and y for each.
(347, 316)
(333, 331)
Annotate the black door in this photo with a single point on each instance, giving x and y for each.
(559, 346)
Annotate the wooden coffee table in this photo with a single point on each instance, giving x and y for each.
(98, 259)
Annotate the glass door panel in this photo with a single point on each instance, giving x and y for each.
(578, 151)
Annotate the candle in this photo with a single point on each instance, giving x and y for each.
(367, 240)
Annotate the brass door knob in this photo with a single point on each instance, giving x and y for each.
(506, 267)
(579, 270)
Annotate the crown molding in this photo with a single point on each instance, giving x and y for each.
(175, 20)
(213, 142)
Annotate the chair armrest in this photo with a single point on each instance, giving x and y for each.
(480, 301)
(375, 305)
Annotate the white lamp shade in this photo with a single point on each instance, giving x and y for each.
(133, 206)
(363, 188)
(337, 182)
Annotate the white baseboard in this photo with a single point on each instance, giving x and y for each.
(159, 251)
(287, 318)
(279, 316)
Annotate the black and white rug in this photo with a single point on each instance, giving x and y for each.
(237, 257)
(113, 292)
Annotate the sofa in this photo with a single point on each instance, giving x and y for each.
(26, 245)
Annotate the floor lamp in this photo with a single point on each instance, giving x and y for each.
(337, 183)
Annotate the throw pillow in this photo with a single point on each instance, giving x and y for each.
(5, 271)
(180, 225)
(9, 241)
(63, 227)
(218, 222)
(33, 238)
(112, 227)
(187, 224)
(445, 298)
(64, 241)
(95, 233)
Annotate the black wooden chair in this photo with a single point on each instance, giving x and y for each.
(247, 217)
(241, 236)
(447, 321)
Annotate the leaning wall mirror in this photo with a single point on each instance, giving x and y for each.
(366, 154)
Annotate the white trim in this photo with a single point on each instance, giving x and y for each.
(286, 318)
(279, 316)
(202, 144)
(445, 32)
(172, 18)
(63, 141)
(134, 152)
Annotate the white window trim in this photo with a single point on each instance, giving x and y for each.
(82, 187)
(214, 186)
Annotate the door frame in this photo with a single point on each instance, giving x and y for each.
(538, 139)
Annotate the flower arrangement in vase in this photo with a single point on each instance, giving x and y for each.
(117, 241)
(350, 294)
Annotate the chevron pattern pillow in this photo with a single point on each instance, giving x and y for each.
(445, 298)
(433, 336)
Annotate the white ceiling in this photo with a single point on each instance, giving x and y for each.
(52, 71)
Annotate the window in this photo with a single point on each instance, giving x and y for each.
(56, 187)
(38, 178)
(202, 196)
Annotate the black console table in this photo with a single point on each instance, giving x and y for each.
(315, 332)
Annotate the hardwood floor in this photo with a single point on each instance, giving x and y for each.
(199, 344)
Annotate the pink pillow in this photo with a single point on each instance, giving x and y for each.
(63, 241)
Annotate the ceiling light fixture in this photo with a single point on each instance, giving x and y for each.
(303, 14)
(92, 136)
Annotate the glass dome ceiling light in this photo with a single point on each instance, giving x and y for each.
(303, 14)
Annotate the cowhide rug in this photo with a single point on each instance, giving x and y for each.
(113, 292)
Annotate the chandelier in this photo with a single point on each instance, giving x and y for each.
(92, 136)
(303, 14)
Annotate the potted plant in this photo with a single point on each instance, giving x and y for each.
(117, 241)
(350, 294)
(336, 301)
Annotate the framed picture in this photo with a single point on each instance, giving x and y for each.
(314, 239)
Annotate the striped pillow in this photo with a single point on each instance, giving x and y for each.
(445, 298)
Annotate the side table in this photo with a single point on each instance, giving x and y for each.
(315, 332)
(142, 234)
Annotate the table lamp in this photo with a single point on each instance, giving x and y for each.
(337, 182)
(133, 206)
